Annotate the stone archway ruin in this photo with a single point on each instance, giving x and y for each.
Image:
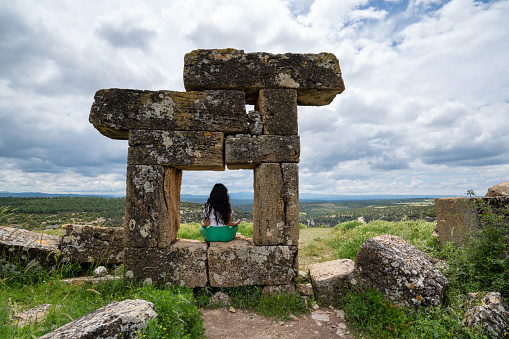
(207, 128)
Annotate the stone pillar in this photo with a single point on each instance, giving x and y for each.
(152, 202)
(276, 204)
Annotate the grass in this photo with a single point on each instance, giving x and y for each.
(347, 237)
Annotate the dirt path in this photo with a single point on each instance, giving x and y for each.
(321, 323)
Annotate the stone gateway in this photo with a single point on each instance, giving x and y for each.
(208, 128)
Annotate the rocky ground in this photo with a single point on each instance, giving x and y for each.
(320, 323)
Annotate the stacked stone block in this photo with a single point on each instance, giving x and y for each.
(207, 128)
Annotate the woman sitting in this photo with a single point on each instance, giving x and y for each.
(218, 212)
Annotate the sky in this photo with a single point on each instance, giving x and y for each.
(425, 110)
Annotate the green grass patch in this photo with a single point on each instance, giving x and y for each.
(347, 237)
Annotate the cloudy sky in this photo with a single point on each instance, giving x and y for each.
(425, 110)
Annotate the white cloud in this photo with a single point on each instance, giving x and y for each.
(424, 111)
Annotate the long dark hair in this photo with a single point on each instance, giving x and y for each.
(219, 200)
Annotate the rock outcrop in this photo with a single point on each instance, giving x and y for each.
(115, 320)
(331, 278)
(397, 269)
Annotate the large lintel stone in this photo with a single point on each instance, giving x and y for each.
(316, 77)
(180, 149)
(183, 263)
(278, 108)
(241, 263)
(116, 111)
(152, 197)
(276, 204)
(246, 151)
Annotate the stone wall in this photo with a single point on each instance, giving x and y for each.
(208, 128)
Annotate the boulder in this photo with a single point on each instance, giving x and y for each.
(400, 271)
(180, 149)
(276, 204)
(316, 77)
(498, 190)
(116, 111)
(115, 320)
(152, 202)
(92, 244)
(492, 313)
(183, 263)
(28, 245)
(241, 263)
(331, 278)
(247, 151)
(278, 108)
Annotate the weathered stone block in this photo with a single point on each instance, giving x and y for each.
(400, 271)
(316, 77)
(459, 217)
(31, 245)
(245, 151)
(456, 219)
(152, 200)
(500, 190)
(179, 149)
(87, 244)
(183, 263)
(331, 279)
(278, 108)
(115, 320)
(116, 111)
(276, 204)
(241, 263)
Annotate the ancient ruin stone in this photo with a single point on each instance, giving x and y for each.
(183, 263)
(498, 190)
(92, 244)
(456, 219)
(278, 108)
(459, 218)
(152, 200)
(492, 314)
(330, 279)
(245, 151)
(115, 320)
(400, 271)
(180, 149)
(30, 245)
(116, 111)
(316, 77)
(276, 204)
(241, 263)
